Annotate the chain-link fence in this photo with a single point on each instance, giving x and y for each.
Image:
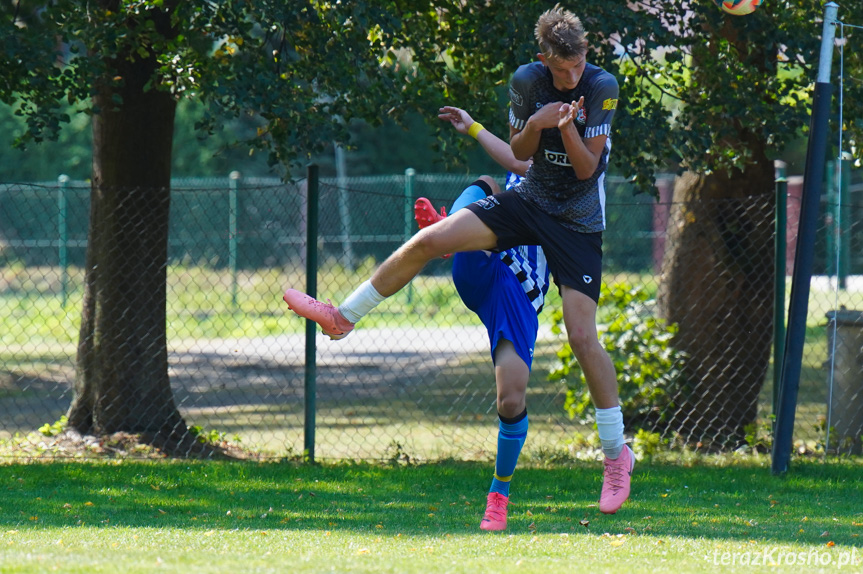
(415, 378)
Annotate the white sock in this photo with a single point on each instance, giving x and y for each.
(361, 301)
(609, 423)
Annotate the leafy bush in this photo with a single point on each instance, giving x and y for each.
(55, 428)
(647, 444)
(649, 370)
(211, 436)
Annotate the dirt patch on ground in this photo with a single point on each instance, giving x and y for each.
(71, 444)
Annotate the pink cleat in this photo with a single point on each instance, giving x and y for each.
(425, 215)
(324, 314)
(616, 480)
(495, 512)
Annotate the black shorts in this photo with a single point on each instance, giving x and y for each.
(574, 259)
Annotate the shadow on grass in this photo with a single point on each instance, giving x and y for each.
(815, 503)
(227, 392)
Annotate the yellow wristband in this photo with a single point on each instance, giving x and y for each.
(474, 129)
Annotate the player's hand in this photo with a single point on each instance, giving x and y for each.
(546, 117)
(568, 112)
(459, 118)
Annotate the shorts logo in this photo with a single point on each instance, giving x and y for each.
(587, 279)
(610, 104)
(515, 97)
(557, 158)
(487, 202)
(581, 116)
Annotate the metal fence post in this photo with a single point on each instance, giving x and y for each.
(63, 236)
(313, 192)
(779, 283)
(831, 217)
(410, 174)
(844, 213)
(798, 307)
(837, 222)
(344, 211)
(233, 204)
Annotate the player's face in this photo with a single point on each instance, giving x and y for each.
(565, 73)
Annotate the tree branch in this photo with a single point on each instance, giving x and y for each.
(646, 75)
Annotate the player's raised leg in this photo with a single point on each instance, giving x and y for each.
(459, 232)
(426, 215)
(332, 322)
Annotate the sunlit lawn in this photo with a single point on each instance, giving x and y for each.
(182, 516)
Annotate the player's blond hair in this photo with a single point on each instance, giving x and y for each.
(560, 34)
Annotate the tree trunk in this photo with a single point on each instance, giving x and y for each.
(717, 285)
(122, 379)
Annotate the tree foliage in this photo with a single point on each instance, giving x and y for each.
(691, 76)
(300, 70)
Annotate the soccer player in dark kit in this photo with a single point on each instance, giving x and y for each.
(560, 117)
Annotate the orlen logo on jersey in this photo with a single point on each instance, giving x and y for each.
(557, 158)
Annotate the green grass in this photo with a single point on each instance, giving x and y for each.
(173, 516)
(200, 304)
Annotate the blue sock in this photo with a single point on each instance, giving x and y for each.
(474, 192)
(510, 439)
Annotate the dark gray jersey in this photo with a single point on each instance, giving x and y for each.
(551, 183)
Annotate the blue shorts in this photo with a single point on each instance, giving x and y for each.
(491, 290)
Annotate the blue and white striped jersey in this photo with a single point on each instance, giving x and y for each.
(527, 262)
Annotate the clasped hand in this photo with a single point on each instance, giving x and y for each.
(568, 112)
(556, 114)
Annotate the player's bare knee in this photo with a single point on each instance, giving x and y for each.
(582, 343)
(490, 181)
(510, 405)
(423, 245)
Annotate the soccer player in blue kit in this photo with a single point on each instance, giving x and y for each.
(561, 109)
(507, 291)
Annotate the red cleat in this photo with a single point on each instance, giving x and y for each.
(425, 215)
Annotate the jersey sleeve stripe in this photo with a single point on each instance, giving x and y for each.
(514, 121)
(603, 130)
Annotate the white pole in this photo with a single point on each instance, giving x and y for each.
(344, 212)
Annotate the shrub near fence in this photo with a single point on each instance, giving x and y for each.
(415, 379)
